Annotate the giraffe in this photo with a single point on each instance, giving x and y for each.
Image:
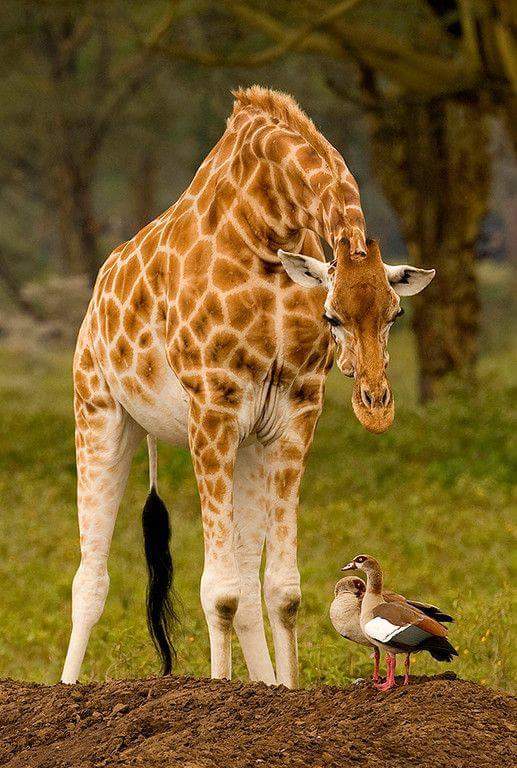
(214, 328)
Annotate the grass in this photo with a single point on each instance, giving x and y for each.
(432, 499)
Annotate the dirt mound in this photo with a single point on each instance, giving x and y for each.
(200, 723)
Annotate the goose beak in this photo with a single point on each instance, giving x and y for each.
(349, 567)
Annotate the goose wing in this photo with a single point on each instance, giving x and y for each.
(430, 610)
(402, 626)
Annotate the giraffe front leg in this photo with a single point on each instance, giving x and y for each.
(106, 438)
(283, 596)
(213, 443)
(250, 515)
(286, 463)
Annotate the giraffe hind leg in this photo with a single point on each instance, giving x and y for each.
(250, 516)
(106, 438)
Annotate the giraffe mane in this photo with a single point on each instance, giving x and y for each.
(284, 107)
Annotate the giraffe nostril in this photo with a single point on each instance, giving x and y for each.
(366, 396)
(386, 396)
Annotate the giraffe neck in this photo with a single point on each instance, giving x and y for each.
(277, 185)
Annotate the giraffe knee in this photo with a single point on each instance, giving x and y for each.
(283, 596)
(89, 591)
(220, 600)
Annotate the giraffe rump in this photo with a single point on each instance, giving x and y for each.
(161, 615)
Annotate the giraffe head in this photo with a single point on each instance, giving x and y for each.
(361, 305)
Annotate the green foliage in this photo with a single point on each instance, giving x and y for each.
(431, 499)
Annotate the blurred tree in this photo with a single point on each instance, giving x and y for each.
(109, 107)
(427, 79)
(432, 160)
(72, 70)
(144, 188)
(431, 153)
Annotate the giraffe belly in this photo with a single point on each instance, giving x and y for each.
(166, 419)
(152, 394)
(162, 410)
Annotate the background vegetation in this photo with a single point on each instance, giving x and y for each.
(108, 108)
(432, 499)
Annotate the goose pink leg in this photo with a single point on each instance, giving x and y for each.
(390, 682)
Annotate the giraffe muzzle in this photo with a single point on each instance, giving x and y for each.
(373, 405)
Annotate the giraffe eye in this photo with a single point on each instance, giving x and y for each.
(400, 313)
(333, 321)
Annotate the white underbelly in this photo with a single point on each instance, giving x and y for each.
(163, 415)
(163, 410)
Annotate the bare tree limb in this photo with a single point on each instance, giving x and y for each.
(131, 77)
(412, 70)
(290, 40)
(363, 43)
(469, 38)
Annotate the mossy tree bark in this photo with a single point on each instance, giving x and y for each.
(432, 160)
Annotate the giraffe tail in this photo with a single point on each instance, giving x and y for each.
(161, 615)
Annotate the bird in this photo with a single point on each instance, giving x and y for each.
(396, 627)
(345, 613)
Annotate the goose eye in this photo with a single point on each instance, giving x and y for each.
(333, 321)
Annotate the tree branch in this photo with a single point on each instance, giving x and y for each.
(132, 76)
(289, 41)
(469, 37)
(412, 70)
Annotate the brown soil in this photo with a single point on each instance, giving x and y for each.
(200, 723)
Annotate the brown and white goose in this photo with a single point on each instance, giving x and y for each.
(345, 613)
(396, 627)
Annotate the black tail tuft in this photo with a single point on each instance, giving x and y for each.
(439, 648)
(160, 612)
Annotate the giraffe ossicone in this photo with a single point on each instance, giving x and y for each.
(200, 334)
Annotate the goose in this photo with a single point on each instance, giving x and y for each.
(345, 613)
(394, 626)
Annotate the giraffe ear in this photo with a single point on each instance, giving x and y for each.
(406, 280)
(304, 270)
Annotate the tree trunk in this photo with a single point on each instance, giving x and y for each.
(144, 189)
(433, 163)
(88, 227)
(67, 235)
(77, 224)
(12, 284)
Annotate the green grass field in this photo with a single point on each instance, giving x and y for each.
(432, 499)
